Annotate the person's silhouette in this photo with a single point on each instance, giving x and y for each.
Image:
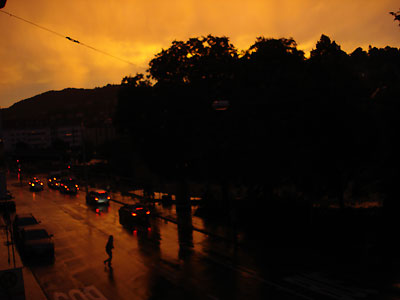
(109, 247)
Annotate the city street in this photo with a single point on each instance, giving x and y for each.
(161, 260)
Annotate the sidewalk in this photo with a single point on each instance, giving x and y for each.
(32, 288)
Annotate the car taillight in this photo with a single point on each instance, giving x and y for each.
(139, 208)
(108, 197)
(147, 212)
(49, 180)
(97, 199)
(134, 214)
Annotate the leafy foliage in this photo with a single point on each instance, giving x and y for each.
(319, 122)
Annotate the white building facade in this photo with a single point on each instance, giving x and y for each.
(42, 138)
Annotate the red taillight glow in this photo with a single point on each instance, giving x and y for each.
(97, 199)
(134, 214)
(147, 212)
(108, 197)
(139, 208)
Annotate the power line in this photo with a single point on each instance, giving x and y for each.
(66, 37)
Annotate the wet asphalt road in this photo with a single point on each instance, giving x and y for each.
(160, 260)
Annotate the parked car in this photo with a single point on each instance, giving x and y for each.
(69, 185)
(35, 184)
(131, 214)
(36, 242)
(6, 205)
(20, 221)
(98, 197)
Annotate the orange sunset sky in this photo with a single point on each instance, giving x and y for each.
(34, 61)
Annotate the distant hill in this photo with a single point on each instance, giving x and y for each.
(68, 106)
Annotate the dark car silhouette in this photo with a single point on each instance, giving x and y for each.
(54, 178)
(35, 242)
(20, 221)
(98, 197)
(35, 184)
(131, 214)
(69, 185)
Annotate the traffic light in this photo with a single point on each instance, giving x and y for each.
(2, 3)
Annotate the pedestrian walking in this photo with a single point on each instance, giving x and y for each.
(109, 247)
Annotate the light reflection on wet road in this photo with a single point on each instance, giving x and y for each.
(157, 261)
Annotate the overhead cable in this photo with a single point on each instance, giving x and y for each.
(66, 37)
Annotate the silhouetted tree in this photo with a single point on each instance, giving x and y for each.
(207, 59)
(316, 123)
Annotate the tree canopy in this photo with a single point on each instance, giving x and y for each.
(267, 114)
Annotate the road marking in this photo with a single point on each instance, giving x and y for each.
(87, 293)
